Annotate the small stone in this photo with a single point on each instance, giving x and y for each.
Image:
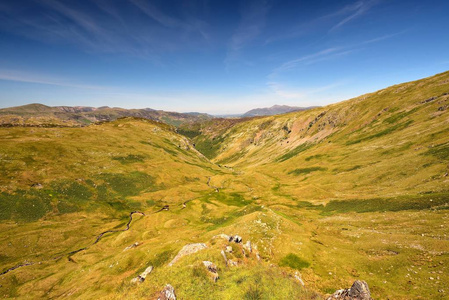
(141, 277)
(168, 293)
(248, 247)
(229, 249)
(224, 256)
(298, 277)
(212, 268)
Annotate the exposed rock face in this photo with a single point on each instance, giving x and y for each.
(168, 293)
(358, 291)
(141, 277)
(187, 250)
(212, 268)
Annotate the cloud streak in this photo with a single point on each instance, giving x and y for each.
(142, 29)
(353, 11)
(28, 77)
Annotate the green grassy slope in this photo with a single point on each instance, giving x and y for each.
(391, 142)
(354, 190)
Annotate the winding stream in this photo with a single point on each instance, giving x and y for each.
(99, 237)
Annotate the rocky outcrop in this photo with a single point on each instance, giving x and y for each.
(187, 250)
(168, 293)
(358, 291)
(212, 269)
(141, 277)
(236, 238)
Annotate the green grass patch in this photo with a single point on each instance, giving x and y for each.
(381, 133)
(25, 205)
(129, 159)
(294, 152)
(418, 202)
(293, 261)
(317, 156)
(399, 116)
(161, 258)
(304, 171)
(209, 147)
(129, 184)
(440, 151)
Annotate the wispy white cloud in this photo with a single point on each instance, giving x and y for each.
(352, 12)
(324, 24)
(251, 25)
(30, 77)
(100, 26)
(157, 15)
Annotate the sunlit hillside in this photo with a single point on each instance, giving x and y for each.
(357, 190)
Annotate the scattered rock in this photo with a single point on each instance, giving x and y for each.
(237, 239)
(232, 263)
(37, 186)
(212, 268)
(224, 256)
(187, 250)
(299, 278)
(222, 235)
(358, 291)
(141, 277)
(168, 293)
(229, 249)
(132, 246)
(428, 100)
(248, 247)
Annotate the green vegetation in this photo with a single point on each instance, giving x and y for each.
(293, 261)
(418, 202)
(303, 171)
(359, 192)
(294, 152)
(439, 151)
(130, 158)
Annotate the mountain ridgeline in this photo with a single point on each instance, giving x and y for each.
(291, 206)
(274, 110)
(42, 115)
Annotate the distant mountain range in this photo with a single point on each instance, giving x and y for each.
(274, 110)
(39, 114)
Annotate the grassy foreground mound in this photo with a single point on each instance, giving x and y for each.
(354, 190)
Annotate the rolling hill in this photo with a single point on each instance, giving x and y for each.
(357, 190)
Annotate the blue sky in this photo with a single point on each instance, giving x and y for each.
(214, 56)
